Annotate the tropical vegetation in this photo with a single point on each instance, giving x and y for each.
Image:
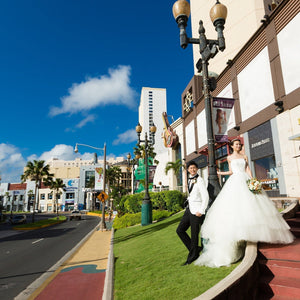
(36, 171)
(56, 186)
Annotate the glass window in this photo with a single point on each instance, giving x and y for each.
(70, 195)
(89, 179)
(266, 171)
(43, 196)
(49, 195)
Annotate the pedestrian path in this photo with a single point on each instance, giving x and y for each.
(82, 276)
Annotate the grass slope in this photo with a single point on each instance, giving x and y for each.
(148, 264)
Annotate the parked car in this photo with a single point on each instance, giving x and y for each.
(18, 219)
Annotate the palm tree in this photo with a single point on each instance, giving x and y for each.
(36, 171)
(176, 167)
(56, 186)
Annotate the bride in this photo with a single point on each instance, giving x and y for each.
(238, 215)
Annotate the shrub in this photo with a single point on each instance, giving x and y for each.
(134, 219)
(174, 200)
(166, 200)
(127, 220)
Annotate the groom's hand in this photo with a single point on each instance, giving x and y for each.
(198, 214)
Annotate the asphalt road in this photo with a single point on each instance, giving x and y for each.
(26, 256)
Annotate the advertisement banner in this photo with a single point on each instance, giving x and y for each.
(221, 111)
(99, 178)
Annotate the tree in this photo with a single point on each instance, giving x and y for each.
(56, 186)
(113, 177)
(36, 171)
(175, 166)
(139, 150)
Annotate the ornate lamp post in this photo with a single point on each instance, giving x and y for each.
(208, 49)
(146, 205)
(102, 223)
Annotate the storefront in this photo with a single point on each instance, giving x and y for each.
(262, 155)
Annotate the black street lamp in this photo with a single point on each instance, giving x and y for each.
(129, 176)
(146, 204)
(102, 222)
(208, 49)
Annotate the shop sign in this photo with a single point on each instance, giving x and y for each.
(201, 161)
(261, 141)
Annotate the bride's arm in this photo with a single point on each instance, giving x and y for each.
(248, 170)
(227, 172)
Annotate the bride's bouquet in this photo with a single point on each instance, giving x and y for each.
(254, 185)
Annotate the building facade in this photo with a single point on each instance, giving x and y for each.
(262, 77)
(153, 103)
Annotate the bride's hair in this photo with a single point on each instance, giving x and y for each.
(230, 143)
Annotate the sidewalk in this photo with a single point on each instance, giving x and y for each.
(82, 276)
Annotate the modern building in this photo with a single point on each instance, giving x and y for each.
(153, 103)
(259, 70)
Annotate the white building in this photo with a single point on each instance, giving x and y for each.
(152, 105)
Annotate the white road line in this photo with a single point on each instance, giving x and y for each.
(37, 241)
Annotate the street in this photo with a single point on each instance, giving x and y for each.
(26, 256)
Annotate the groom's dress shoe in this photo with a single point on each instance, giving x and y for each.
(185, 264)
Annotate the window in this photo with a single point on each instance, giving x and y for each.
(50, 196)
(70, 195)
(89, 179)
(42, 196)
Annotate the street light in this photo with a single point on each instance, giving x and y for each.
(128, 171)
(102, 223)
(208, 49)
(146, 204)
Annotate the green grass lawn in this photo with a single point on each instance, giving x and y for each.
(148, 263)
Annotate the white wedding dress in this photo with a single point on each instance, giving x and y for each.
(238, 215)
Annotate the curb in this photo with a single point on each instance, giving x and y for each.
(109, 278)
(234, 276)
(37, 284)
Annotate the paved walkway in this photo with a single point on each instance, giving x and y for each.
(82, 276)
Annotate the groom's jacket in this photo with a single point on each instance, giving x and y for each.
(198, 197)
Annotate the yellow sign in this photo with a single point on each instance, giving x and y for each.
(102, 196)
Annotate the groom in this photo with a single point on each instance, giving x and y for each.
(194, 215)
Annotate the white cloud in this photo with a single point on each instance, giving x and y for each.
(126, 137)
(11, 163)
(113, 88)
(89, 118)
(64, 152)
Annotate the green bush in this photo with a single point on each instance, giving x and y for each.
(133, 203)
(174, 200)
(134, 219)
(165, 200)
(127, 220)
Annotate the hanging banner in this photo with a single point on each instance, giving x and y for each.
(221, 111)
(99, 178)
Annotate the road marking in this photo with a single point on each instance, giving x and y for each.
(37, 241)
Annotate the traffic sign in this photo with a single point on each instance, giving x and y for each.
(102, 196)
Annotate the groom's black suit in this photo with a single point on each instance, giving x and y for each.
(197, 202)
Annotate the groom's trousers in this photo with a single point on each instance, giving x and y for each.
(191, 243)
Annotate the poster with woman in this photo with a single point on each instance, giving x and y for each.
(222, 108)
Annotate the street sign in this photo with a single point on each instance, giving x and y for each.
(102, 196)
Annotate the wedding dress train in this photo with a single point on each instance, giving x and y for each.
(238, 215)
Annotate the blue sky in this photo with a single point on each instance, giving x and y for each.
(71, 72)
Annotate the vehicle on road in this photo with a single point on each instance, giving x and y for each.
(75, 214)
(18, 219)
